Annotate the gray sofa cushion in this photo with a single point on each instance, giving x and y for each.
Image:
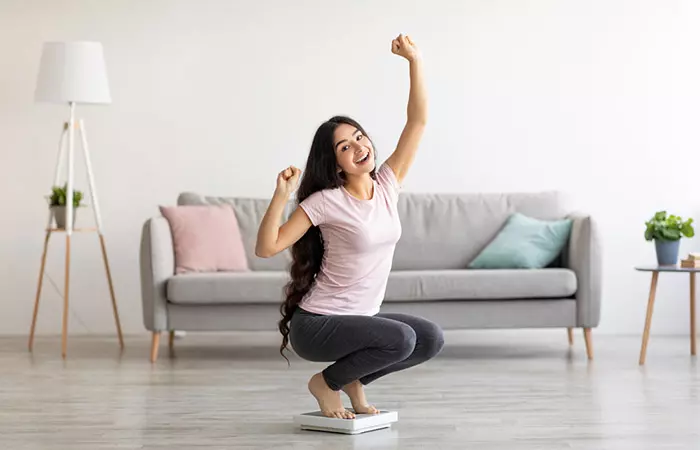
(499, 284)
(447, 231)
(249, 213)
(227, 287)
(268, 286)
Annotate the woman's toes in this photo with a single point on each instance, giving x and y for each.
(344, 414)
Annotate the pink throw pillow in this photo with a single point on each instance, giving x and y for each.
(206, 238)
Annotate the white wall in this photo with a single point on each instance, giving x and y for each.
(597, 98)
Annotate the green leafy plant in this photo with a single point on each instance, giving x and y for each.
(665, 227)
(58, 196)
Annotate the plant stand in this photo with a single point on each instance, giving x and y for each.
(68, 131)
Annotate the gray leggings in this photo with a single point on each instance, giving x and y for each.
(363, 347)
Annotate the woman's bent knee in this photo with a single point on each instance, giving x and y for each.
(406, 342)
(433, 340)
(435, 343)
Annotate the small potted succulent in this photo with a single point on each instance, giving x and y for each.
(57, 203)
(666, 231)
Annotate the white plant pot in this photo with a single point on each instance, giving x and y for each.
(59, 216)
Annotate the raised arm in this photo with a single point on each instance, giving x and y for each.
(273, 238)
(402, 158)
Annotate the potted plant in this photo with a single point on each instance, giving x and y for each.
(666, 232)
(57, 203)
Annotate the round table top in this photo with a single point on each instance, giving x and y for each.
(658, 268)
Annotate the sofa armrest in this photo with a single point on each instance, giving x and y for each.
(583, 256)
(157, 260)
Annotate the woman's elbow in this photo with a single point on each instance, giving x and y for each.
(419, 121)
(262, 252)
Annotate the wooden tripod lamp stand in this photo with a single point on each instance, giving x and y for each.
(70, 73)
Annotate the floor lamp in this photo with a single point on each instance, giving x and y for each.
(73, 73)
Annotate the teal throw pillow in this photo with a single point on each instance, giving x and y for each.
(524, 243)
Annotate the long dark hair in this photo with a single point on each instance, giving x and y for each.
(307, 253)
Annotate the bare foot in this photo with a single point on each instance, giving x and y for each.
(328, 400)
(356, 392)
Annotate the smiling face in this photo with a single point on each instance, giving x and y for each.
(353, 150)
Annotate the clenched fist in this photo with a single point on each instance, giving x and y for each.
(404, 46)
(287, 180)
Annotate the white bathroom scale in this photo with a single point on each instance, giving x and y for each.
(362, 423)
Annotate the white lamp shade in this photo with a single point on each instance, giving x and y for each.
(72, 72)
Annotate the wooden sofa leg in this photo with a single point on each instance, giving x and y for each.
(154, 346)
(171, 341)
(570, 332)
(589, 342)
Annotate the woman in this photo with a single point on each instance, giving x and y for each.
(343, 234)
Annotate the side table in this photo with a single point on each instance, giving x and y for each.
(655, 270)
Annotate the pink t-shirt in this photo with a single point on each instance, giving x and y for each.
(359, 238)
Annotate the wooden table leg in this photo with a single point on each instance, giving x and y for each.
(692, 313)
(650, 312)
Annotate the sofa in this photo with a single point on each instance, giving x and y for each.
(441, 234)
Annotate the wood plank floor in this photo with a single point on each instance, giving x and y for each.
(486, 390)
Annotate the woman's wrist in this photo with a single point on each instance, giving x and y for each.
(282, 194)
(417, 58)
